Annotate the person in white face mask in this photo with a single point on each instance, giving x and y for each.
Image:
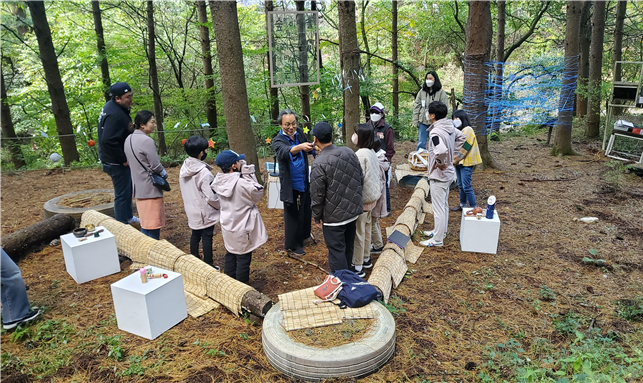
(386, 136)
(431, 91)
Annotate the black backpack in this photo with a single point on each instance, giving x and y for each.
(355, 291)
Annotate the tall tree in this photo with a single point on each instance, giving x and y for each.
(8, 130)
(273, 95)
(563, 139)
(154, 77)
(54, 82)
(366, 101)
(477, 51)
(583, 64)
(349, 51)
(211, 103)
(621, 7)
(595, 69)
(304, 90)
(100, 43)
(396, 79)
(233, 80)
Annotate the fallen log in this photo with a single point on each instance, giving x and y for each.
(33, 238)
(256, 303)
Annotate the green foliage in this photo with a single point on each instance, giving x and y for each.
(630, 309)
(546, 293)
(21, 333)
(394, 305)
(135, 367)
(569, 324)
(113, 345)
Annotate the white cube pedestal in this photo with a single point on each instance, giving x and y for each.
(479, 235)
(149, 309)
(274, 189)
(92, 258)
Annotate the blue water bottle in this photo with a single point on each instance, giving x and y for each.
(491, 206)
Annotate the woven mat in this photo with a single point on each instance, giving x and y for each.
(227, 291)
(396, 265)
(164, 255)
(428, 208)
(366, 312)
(424, 185)
(401, 228)
(137, 266)
(415, 202)
(421, 220)
(197, 306)
(412, 253)
(381, 278)
(92, 217)
(127, 238)
(312, 317)
(196, 274)
(396, 248)
(140, 252)
(408, 218)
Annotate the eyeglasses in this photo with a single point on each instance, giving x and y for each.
(289, 125)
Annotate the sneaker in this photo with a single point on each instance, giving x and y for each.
(134, 219)
(310, 240)
(428, 233)
(377, 251)
(31, 315)
(367, 264)
(360, 273)
(298, 251)
(431, 243)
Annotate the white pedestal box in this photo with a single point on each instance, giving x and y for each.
(149, 309)
(274, 188)
(92, 258)
(479, 235)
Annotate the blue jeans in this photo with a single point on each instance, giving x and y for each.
(15, 304)
(122, 181)
(423, 135)
(152, 233)
(464, 184)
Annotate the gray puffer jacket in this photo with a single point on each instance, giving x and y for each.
(336, 185)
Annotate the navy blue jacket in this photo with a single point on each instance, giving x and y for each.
(281, 146)
(113, 128)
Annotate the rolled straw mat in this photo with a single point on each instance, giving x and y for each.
(381, 278)
(164, 255)
(227, 291)
(394, 263)
(198, 306)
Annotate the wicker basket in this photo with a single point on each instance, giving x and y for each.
(419, 161)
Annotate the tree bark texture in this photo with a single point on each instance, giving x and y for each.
(100, 44)
(479, 33)
(256, 303)
(396, 80)
(500, 58)
(154, 77)
(211, 103)
(618, 37)
(595, 68)
(32, 238)
(8, 131)
(304, 90)
(233, 80)
(350, 69)
(274, 92)
(54, 82)
(563, 139)
(583, 65)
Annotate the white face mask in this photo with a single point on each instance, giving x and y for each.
(354, 138)
(457, 123)
(429, 83)
(375, 117)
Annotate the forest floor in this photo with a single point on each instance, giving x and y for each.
(459, 316)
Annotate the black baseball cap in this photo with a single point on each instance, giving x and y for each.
(323, 132)
(226, 158)
(119, 89)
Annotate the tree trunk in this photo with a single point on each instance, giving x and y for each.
(478, 47)
(154, 78)
(313, 7)
(211, 103)
(32, 238)
(563, 139)
(595, 69)
(350, 59)
(100, 43)
(396, 80)
(304, 91)
(621, 7)
(500, 58)
(366, 100)
(583, 66)
(256, 303)
(274, 95)
(54, 82)
(8, 130)
(233, 80)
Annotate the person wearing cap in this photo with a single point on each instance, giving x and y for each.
(114, 125)
(336, 196)
(291, 151)
(385, 134)
(443, 143)
(431, 91)
(241, 224)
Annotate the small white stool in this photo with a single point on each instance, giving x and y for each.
(479, 235)
(149, 309)
(92, 258)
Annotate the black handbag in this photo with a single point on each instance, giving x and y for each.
(157, 180)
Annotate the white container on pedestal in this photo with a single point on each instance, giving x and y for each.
(93, 258)
(149, 309)
(479, 235)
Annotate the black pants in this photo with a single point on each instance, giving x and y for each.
(297, 217)
(237, 266)
(339, 241)
(196, 237)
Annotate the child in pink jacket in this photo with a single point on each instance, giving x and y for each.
(199, 200)
(241, 224)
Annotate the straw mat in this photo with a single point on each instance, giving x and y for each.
(195, 273)
(227, 291)
(412, 253)
(424, 185)
(365, 312)
(408, 218)
(92, 217)
(164, 255)
(137, 266)
(428, 208)
(197, 306)
(421, 220)
(396, 265)
(312, 317)
(140, 252)
(381, 278)
(396, 248)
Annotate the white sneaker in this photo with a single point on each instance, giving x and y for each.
(429, 233)
(431, 243)
(134, 219)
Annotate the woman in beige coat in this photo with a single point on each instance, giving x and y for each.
(142, 159)
(431, 91)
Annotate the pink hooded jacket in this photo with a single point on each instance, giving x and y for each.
(200, 203)
(241, 224)
(380, 207)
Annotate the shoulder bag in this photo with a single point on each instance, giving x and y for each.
(156, 179)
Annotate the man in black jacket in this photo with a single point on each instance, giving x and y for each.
(336, 195)
(291, 151)
(114, 125)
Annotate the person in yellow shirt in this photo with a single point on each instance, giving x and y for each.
(465, 160)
